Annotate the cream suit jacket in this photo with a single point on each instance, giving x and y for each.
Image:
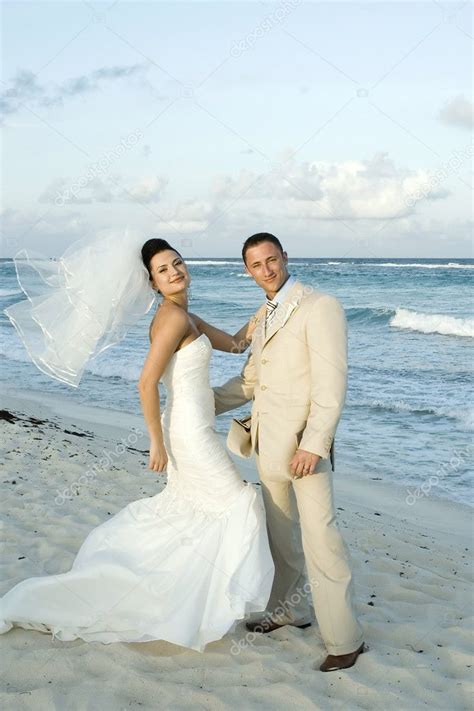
(296, 376)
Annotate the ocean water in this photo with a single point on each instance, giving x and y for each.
(409, 416)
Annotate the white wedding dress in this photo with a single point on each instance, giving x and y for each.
(180, 566)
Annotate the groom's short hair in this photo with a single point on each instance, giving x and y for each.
(258, 239)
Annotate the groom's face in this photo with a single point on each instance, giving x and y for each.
(268, 266)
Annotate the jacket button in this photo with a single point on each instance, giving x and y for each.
(263, 387)
(264, 360)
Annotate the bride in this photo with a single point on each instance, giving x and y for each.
(183, 565)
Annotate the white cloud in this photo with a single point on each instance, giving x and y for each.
(48, 232)
(353, 189)
(458, 112)
(340, 202)
(188, 216)
(148, 189)
(86, 190)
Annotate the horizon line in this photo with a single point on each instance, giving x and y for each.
(239, 257)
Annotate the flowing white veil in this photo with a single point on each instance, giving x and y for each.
(80, 304)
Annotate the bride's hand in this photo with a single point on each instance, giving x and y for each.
(158, 457)
(258, 317)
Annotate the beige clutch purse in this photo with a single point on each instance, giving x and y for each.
(238, 439)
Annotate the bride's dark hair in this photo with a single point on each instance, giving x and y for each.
(154, 246)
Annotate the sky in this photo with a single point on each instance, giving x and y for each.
(345, 128)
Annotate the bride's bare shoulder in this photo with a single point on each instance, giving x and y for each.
(169, 317)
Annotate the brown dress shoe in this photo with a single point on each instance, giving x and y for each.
(267, 625)
(341, 661)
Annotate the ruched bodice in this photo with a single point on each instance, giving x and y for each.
(188, 368)
(193, 447)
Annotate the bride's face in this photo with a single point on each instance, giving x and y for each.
(169, 272)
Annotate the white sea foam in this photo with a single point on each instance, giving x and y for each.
(10, 292)
(113, 368)
(116, 365)
(13, 350)
(465, 417)
(433, 323)
(216, 262)
(211, 262)
(416, 265)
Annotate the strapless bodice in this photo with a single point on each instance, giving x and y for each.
(188, 368)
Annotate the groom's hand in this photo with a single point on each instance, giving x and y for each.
(303, 463)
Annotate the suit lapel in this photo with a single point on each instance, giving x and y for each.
(280, 317)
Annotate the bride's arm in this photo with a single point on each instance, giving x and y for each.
(168, 331)
(223, 341)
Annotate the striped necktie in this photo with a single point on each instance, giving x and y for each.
(271, 306)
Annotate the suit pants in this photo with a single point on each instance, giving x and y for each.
(301, 523)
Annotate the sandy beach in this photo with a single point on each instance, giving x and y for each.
(67, 468)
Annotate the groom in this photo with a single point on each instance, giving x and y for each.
(296, 376)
